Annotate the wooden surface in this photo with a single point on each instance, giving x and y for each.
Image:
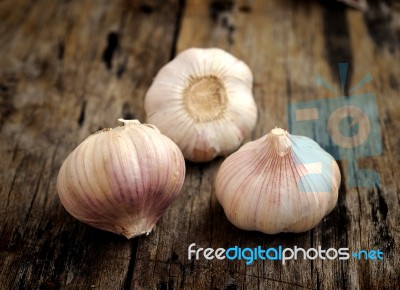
(69, 68)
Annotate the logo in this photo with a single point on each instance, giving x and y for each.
(249, 255)
(345, 126)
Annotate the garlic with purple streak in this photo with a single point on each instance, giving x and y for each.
(278, 183)
(123, 179)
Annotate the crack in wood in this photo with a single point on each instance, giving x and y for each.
(12, 184)
(337, 42)
(81, 118)
(178, 26)
(112, 46)
(35, 191)
(60, 50)
(131, 265)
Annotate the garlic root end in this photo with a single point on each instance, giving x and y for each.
(133, 234)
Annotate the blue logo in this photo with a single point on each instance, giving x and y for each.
(345, 126)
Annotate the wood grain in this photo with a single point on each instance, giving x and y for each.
(69, 68)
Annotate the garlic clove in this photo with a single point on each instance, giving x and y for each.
(123, 179)
(278, 183)
(203, 101)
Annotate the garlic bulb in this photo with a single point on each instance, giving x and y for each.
(203, 101)
(278, 183)
(122, 180)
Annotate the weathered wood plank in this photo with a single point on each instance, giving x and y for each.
(287, 45)
(67, 69)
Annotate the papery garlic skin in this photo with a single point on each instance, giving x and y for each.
(123, 179)
(203, 101)
(278, 183)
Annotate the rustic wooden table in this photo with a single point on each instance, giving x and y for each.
(69, 68)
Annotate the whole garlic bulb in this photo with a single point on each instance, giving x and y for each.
(203, 101)
(278, 183)
(122, 180)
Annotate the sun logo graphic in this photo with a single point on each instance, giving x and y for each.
(345, 126)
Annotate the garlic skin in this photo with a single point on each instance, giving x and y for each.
(203, 101)
(123, 179)
(278, 183)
